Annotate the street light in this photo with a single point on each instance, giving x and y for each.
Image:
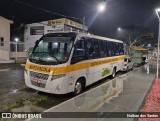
(119, 28)
(128, 37)
(16, 40)
(101, 8)
(158, 14)
(149, 45)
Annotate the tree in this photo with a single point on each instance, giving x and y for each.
(135, 35)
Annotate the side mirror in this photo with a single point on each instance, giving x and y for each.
(37, 42)
(29, 51)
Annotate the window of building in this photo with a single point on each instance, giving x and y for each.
(1, 41)
(37, 30)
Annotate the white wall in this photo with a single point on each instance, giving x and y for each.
(18, 54)
(5, 33)
(29, 40)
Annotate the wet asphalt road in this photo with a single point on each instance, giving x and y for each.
(15, 94)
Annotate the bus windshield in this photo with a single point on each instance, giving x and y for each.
(52, 50)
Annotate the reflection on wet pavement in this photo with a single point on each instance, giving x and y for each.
(95, 98)
(123, 94)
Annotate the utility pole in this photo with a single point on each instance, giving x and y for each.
(158, 14)
(84, 24)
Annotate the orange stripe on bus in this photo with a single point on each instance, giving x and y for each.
(70, 68)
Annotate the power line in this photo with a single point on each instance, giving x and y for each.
(47, 11)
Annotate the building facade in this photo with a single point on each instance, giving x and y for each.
(5, 38)
(12, 50)
(35, 31)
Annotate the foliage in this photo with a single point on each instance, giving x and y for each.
(135, 35)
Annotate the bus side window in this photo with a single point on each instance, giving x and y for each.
(121, 49)
(96, 49)
(102, 47)
(110, 48)
(90, 48)
(116, 49)
(79, 52)
(106, 46)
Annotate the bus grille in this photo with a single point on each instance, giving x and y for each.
(39, 75)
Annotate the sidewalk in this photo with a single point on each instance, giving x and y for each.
(152, 103)
(7, 62)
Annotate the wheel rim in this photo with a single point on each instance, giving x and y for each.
(78, 88)
(113, 73)
(127, 69)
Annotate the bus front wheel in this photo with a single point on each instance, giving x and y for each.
(78, 87)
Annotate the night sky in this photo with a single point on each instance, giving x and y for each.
(118, 13)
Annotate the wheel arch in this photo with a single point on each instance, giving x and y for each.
(81, 79)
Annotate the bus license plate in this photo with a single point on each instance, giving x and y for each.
(38, 82)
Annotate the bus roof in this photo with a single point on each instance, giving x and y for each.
(98, 37)
(80, 34)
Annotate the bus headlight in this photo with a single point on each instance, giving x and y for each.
(57, 76)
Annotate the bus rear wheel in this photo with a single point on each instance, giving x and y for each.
(113, 73)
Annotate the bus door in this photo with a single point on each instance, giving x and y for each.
(92, 53)
(79, 62)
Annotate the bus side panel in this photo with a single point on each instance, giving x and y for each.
(74, 76)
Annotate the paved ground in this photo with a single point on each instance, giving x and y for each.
(123, 94)
(15, 96)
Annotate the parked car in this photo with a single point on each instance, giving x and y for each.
(128, 64)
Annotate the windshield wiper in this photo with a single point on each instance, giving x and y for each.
(52, 56)
(34, 58)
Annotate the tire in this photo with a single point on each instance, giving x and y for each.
(113, 73)
(79, 86)
(127, 69)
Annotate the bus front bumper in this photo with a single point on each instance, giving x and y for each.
(57, 86)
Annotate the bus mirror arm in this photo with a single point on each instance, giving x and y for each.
(37, 42)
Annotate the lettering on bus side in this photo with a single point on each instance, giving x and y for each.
(114, 59)
(37, 68)
(103, 62)
(96, 63)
